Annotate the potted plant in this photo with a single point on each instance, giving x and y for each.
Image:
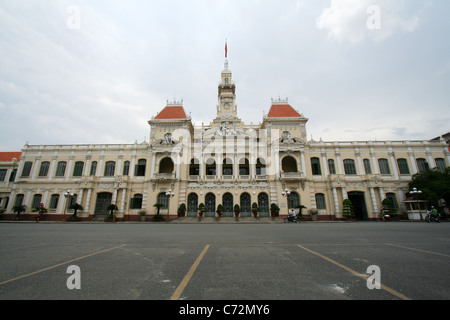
(389, 208)
(313, 212)
(219, 210)
(236, 210)
(348, 212)
(201, 209)
(274, 210)
(255, 209)
(111, 208)
(142, 214)
(182, 210)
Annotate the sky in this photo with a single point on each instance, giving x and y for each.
(95, 71)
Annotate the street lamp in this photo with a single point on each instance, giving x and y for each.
(169, 194)
(416, 194)
(68, 195)
(286, 193)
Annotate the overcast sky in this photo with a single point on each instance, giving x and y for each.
(78, 72)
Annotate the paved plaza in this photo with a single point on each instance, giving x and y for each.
(227, 261)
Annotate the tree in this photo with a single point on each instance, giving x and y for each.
(348, 209)
(19, 210)
(388, 207)
(434, 184)
(111, 208)
(75, 207)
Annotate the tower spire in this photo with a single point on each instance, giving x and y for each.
(226, 54)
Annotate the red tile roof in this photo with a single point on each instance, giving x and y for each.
(171, 112)
(283, 111)
(8, 156)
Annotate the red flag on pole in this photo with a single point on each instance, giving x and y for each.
(226, 49)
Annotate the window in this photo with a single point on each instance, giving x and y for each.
(440, 164)
(227, 168)
(315, 166)
(61, 169)
(289, 164)
(110, 167)
(320, 201)
(136, 202)
(384, 166)
(19, 200)
(126, 168)
(294, 200)
(163, 199)
(349, 166)
(403, 166)
(423, 165)
(140, 168)
(37, 198)
(43, 171)
(367, 166)
(194, 168)
(93, 168)
(331, 166)
(2, 174)
(12, 177)
(54, 201)
(26, 169)
(78, 169)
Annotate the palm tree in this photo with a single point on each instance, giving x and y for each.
(19, 209)
(75, 207)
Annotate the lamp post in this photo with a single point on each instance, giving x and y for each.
(416, 194)
(286, 193)
(68, 195)
(169, 194)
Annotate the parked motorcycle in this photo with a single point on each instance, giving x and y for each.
(293, 219)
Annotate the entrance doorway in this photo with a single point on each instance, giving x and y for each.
(359, 205)
(103, 200)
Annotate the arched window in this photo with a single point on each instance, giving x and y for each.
(93, 168)
(384, 166)
(294, 200)
(61, 169)
(403, 167)
(320, 201)
(331, 166)
(244, 167)
(367, 166)
(194, 168)
(78, 169)
(315, 166)
(261, 166)
(136, 201)
(163, 199)
(26, 169)
(210, 167)
(37, 198)
(422, 164)
(126, 168)
(289, 164)
(166, 165)
(349, 166)
(54, 199)
(140, 168)
(227, 167)
(110, 168)
(43, 171)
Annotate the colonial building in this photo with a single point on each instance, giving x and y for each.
(225, 162)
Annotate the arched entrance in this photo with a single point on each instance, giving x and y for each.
(246, 206)
(227, 203)
(103, 200)
(263, 204)
(359, 204)
(192, 207)
(210, 205)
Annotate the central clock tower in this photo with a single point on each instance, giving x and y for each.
(227, 109)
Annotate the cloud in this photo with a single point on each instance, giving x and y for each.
(356, 20)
